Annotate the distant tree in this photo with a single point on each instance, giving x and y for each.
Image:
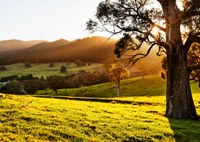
(27, 64)
(56, 82)
(51, 65)
(140, 22)
(3, 68)
(63, 69)
(117, 72)
(31, 86)
(80, 63)
(68, 64)
(89, 64)
(9, 78)
(14, 87)
(27, 77)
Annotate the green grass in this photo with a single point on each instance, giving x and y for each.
(43, 69)
(25, 118)
(151, 85)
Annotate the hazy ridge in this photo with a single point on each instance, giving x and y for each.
(90, 49)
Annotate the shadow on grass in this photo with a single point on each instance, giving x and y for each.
(185, 130)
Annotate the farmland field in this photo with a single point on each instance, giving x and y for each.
(43, 69)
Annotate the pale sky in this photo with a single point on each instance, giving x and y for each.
(45, 19)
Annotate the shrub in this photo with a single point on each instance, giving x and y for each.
(27, 64)
(51, 65)
(2, 68)
(63, 69)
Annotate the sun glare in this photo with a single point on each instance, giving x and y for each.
(155, 31)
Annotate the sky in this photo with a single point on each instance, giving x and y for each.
(45, 19)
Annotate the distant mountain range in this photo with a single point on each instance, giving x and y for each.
(8, 45)
(90, 49)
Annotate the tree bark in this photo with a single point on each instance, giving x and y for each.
(179, 97)
(118, 88)
(179, 102)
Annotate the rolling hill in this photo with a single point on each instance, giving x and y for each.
(9, 45)
(90, 49)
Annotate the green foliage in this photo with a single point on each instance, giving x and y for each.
(13, 87)
(9, 78)
(56, 82)
(31, 86)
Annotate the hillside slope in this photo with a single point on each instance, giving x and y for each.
(8, 45)
(90, 49)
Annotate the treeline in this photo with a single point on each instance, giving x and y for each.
(27, 84)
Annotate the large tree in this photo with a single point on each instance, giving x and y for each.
(172, 26)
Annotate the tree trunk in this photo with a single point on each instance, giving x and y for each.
(179, 102)
(179, 97)
(118, 88)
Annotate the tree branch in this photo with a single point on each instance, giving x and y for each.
(190, 13)
(193, 67)
(134, 58)
(191, 39)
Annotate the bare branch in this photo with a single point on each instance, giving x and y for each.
(135, 57)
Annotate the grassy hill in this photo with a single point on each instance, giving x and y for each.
(136, 118)
(151, 85)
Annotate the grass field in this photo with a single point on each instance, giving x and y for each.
(25, 118)
(137, 118)
(43, 69)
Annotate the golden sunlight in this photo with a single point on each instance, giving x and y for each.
(155, 31)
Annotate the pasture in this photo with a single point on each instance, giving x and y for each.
(43, 69)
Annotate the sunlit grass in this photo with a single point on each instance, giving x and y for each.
(25, 118)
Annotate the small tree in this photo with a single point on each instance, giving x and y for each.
(2, 68)
(51, 65)
(27, 64)
(63, 69)
(117, 72)
(79, 63)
